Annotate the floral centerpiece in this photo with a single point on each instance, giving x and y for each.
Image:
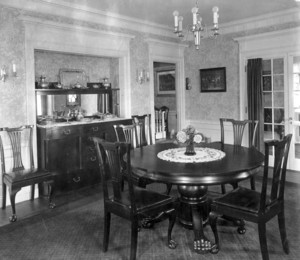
(189, 136)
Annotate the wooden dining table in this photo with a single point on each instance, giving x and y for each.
(193, 178)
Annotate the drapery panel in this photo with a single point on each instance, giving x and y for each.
(255, 99)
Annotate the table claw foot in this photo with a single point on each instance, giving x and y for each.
(241, 230)
(172, 244)
(214, 249)
(13, 218)
(147, 223)
(202, 246)
(52, 205)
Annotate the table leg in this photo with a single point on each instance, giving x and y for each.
(193, 212)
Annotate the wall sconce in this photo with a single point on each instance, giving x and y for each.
(188, 85)
(142, 76)
(4, 74)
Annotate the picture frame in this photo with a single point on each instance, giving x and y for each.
(166, 82)
(72, 78)
(213, 80)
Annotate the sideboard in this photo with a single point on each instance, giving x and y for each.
(69, 149)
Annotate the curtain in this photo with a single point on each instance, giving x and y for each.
(255, 100)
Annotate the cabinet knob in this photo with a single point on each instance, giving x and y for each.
(67, 132)
(76, 179)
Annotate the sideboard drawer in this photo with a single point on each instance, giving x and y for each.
(94, 130)
(63, 132)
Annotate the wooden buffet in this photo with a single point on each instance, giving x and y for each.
(67, 147)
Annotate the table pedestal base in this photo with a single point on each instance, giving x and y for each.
(193, 214)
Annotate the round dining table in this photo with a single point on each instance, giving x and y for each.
(220, 164)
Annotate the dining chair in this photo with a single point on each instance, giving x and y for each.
(166, 110)
(127, 133)
(134, 203)
(143, 129)
(258, 207)
(160, 123)
(17, 166)
(238, 132)
(143, 126)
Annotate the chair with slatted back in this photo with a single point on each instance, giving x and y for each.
(166, 117)
(127, 133)
(16, 174)
(238, 132)
(258, 206)
(143, 128)
(134, 203)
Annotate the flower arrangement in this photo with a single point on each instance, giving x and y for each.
(189, 136)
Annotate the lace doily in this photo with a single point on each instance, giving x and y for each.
(203, 154)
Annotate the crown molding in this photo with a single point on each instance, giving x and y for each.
(83, 13)
(32, 20)
(165, 43)
(286, 40)
(267, 20)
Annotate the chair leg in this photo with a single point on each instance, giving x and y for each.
(263, 241)
(172, 217)
(107, 217)
(51, 195)
(213, 217)
(32, 192)
(282, 230)
(3, 195)
(12, 194)
(252, 183)
(134, 238)
(169, 187)
(223, 188)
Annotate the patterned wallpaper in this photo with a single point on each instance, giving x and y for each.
(222, 52)
(96, 68)
(12, 91)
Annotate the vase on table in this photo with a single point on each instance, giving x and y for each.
(190, 150)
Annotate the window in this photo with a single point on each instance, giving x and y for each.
(273, 94)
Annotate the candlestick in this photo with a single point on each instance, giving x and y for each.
(216, 16)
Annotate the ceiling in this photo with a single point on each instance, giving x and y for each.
(160, 11)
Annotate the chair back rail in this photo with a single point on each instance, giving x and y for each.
(278, 171)
(15, 137)
(143, 128)
(238, 130)
(129, 133)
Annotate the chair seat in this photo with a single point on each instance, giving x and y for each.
(28, 174)
(241, 199)
(146, 200)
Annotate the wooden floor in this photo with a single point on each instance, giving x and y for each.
(233, 245)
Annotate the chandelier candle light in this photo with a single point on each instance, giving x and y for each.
(189, 136)
(197, 26)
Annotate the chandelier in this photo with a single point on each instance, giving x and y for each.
(198, 27)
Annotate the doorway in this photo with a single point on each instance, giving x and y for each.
(164, 75)
(294, 110)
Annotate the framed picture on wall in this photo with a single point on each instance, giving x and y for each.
(165, 81)
(213, 80)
